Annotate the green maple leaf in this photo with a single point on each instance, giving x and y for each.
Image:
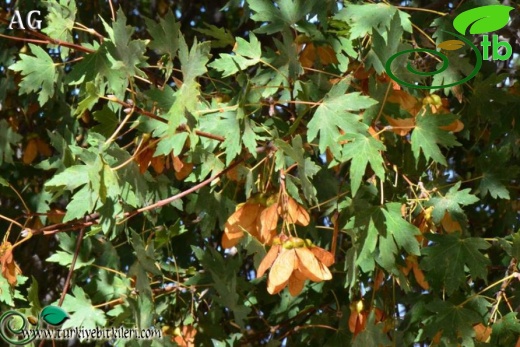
(383, 235)
(222, 35)
(128, 54)
(286, 14)
(60, 21)
(383, 48)
(332, 115)
(363, 149)
(399, 233)
(39, 73)
(90, 67)
(427, 136)
(165, 34)
(497, 171)
(65, 259)
(446, 259)
(246, 54)
(193, 64)
(306, 167)
(108, 121)
(83, 313)
(454, 321)
(8, 138)
(94, 69)
(506, 330)
(81, 203)
(193, 61)
(70, 179)
(224, 277)
(451, 202)
(363, 19)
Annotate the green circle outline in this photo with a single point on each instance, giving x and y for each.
(445, 64)
(5, 324)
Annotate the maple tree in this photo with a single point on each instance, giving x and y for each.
(246, 173)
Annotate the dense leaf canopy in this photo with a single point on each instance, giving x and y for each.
(241, 173)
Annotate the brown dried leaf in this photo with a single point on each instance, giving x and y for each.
(9, 268)
(268, 222)
(455, 126)
(244, 218)
(401, 126)
(419, 276)
(296, 283)
(144, 158)
(483, 333)
(182, 169)
(357, 322)
(187, 336)
(55, 215)
(296, 214)
(407, 102)
(409, 264)
(327, 55)
(449, 224)
(158, 163)
(231, 239)
(43, 148)
(30, 152)
(325, 257)
(282, 268)
(309, 265)
(308, 55)
(268, 260)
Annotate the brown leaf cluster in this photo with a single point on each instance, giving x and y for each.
(34, 147)
(292, 261)
(145, 159)
(411, 264)
(359, 315)
(424, 222)
(411, 104)
(259, 218)
(9, 268)
(311, 53)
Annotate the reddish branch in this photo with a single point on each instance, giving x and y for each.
(93, 218)
(157, 118)
(72, 265)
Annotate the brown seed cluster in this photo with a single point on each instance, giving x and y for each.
(292, 261)
(9, 268)
(259, 217)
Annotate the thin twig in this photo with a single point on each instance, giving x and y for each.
(71, 270)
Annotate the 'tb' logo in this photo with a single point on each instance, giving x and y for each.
(478, 20)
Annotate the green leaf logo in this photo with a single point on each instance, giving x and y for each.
(483, 19)
(54, 315)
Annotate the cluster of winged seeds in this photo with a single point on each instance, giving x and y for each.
(292, 260)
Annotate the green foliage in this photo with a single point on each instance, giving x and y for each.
(427, 135)
(137, 143)
(8, 138)
(39, 71)
(448, 257)
(332, 116)
(81, 311)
